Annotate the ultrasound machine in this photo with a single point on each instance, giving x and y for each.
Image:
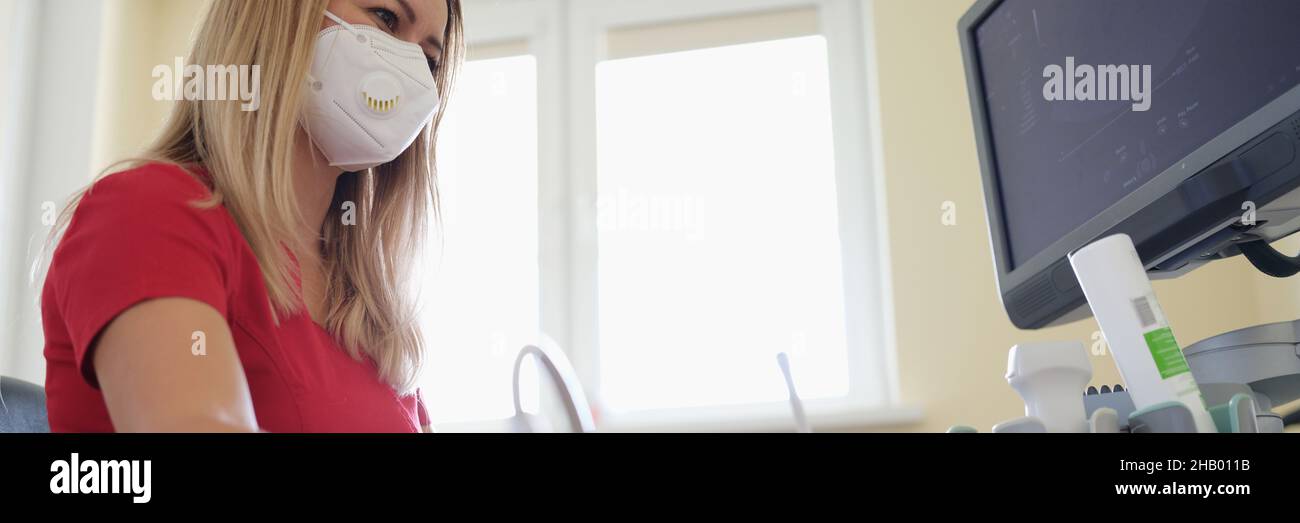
(1208, 171)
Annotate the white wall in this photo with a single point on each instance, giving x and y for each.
(52, 50)
(11, 31)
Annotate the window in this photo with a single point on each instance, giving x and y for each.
(718, 236)
(674, 192)
(480, 296)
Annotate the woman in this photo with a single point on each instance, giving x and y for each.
(249, 273)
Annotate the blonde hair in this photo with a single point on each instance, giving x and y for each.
(248, 156)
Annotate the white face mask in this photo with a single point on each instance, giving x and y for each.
(369, 95)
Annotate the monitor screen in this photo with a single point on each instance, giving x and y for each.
(1088, 100)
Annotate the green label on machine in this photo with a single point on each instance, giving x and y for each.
(1164, 350)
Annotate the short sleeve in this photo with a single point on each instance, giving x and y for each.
(135, 236)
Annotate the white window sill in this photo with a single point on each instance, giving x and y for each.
(766, 417)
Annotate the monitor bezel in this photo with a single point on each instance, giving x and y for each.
(1011, 277)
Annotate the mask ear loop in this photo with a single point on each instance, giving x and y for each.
(340, 21)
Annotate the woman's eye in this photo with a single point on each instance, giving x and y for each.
(386, 17)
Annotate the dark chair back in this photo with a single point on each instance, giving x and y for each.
(22, 406)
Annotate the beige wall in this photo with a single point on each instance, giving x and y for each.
(953, 335)
(138, 35)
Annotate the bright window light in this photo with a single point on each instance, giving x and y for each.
(717, 227)
(480, 294)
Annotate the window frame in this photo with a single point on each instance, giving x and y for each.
(531, 25)
(566, 37)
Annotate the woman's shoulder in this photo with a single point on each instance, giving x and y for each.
(153, 182)
(151, 201)
(154, 192)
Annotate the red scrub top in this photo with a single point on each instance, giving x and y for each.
(136, 236)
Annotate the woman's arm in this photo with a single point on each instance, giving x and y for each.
(153, 381)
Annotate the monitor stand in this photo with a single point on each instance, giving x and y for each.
(1262, 361)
